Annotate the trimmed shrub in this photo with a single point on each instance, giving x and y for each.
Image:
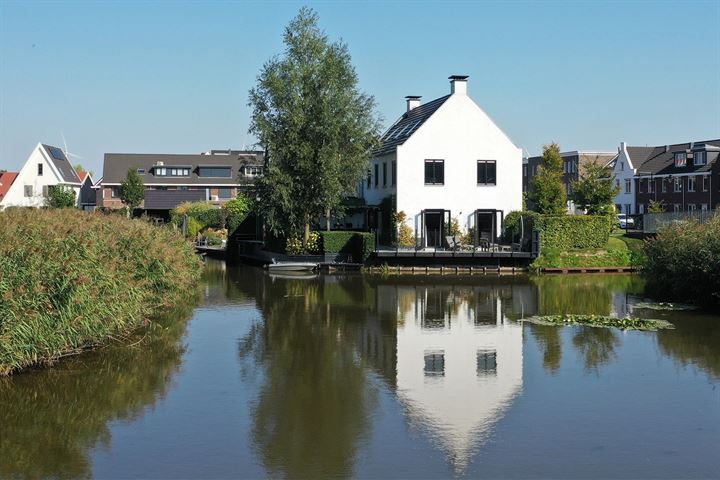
(236, 211)
(683, 262)
(360, 245)
(71, 280)
(205, 213)
(567, 232)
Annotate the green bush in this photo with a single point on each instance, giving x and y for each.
(69, 280)
(236, 211)
(566, 232)
(205, 214)
(683, 262)
(360, 245)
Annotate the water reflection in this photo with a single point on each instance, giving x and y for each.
(51, 419)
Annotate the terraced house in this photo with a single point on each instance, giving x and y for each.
(684, 177)
(215, 176)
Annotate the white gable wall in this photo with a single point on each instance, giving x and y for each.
(28, 175)
(459, 133)
(623, 170)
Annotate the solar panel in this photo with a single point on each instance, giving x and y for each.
(56, 153)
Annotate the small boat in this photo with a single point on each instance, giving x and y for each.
(291, 266)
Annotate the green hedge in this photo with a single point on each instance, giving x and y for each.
(566, 232)
(358, 244)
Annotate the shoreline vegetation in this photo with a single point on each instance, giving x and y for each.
(602, 321)
(71, 281)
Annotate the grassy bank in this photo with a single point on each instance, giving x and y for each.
(620, 251)
(70, 281)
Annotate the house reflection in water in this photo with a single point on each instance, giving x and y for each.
(459, 361)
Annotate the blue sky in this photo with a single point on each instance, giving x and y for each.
(173, 77)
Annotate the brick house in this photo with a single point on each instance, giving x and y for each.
(215, 176)
(684, 177)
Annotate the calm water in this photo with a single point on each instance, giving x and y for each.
(419, 377)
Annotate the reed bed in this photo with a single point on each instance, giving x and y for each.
(71, 281)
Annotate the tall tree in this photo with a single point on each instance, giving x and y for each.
(132, 191)
(595, 190)
(316, 127)
(548, 189)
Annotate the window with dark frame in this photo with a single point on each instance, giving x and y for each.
(434, 172)
(434, 363)
(706, 183)
(393, 173)
(216, 172)
(487, 172)
(40, 169)
(486, 362)
(377, 176)
(369, 179)
(384, 174)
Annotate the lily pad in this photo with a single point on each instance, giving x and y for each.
(627, 323)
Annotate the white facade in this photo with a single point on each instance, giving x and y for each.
(624, 172)
(39, 172)
(459, 367)
(460, 134)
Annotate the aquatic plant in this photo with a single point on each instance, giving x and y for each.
(71, 281)
(627, 323)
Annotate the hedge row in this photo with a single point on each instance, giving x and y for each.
(683, 262)
(566, 232)
(358, 244)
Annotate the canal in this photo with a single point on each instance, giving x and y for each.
(379, 377)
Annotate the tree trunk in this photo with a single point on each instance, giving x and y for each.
(306, 233)
(327, 219)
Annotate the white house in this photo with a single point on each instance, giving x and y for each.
(46, 167)
(624, 171)
(447, 159)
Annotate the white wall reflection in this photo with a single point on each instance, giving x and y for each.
(459, 363)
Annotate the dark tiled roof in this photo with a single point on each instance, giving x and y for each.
(116, 166)
(660, 162)
(639, 154)
(406, 125)
(61, 162)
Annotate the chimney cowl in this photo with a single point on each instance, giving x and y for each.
(458, 84)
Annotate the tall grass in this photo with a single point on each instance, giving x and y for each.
(70, 281)
(683, 262)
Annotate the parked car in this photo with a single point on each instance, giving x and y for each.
(624, 221)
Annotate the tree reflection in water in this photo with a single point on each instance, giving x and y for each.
(312, 410)
(52, 418)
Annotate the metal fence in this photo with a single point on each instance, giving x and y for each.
(653, 221)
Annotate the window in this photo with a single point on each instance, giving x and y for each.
(114, 192)
(677, 207)
(224, 192)
(434, 363)
(706, 183)
(704, 207)
(434, 172)
(677, 184)
(141, 171)
(393, 173)
(28, 190)
(651, 185)
(217, 172)
(640, 185)
(40, 169)
(524, 170)
(369, 179)
(384, 174)
(617, 183)
(622, 166)
(691, 207)
(486, 172)
(680, 159)
(253, 170)
(627, 209)
(691, 184)
(641, 208)
(377, 176)
(700, 158)
(663, 185)
(628, 185)
(486, 362)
